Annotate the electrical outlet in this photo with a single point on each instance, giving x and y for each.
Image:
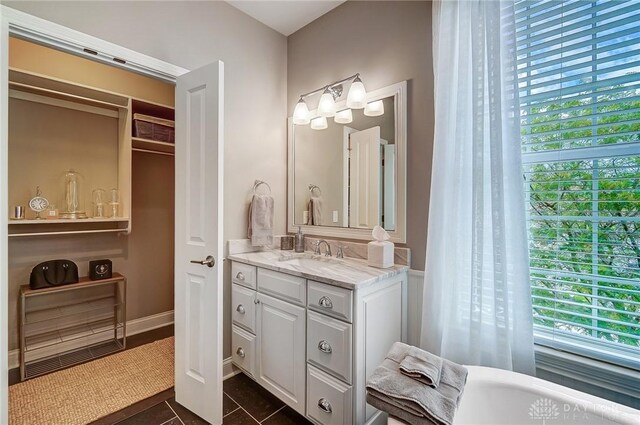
(335, 216)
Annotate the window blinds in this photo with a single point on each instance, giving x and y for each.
(579, 79)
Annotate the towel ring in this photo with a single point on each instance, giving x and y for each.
(257, 183)
(313, 187)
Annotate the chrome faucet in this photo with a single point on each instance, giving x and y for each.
(327, 252)
(340, 253)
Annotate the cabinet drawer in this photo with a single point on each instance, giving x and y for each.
(329, 345)
(337, 302)
(283, 286)
(328, 400)
(243, 307)
(243, 274)
(243, 349)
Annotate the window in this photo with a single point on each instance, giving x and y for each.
(579, 79)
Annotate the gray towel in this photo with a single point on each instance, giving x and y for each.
(417, 364)
(315, 211)
(412, 401)
(261, 220)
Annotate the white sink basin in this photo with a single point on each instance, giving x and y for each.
(306, 259)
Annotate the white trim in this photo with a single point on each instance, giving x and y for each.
(399, 235)
(134, 327)
(45, 32)
(4, 217)
(414, 306)
(229, 370)
(592, 372)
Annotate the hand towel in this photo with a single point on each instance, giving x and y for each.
(315, 211)
(261, 220)
(417, 364)
(412, 401)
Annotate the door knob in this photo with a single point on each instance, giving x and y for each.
(209, 261)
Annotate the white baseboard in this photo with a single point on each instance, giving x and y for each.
(229, 370)
(134, 327)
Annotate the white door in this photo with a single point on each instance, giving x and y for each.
(198, 243)
(364, 178)
(281, 345)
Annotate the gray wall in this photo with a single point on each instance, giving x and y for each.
(386, 42)
(192, 34)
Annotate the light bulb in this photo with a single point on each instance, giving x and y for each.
(319, 123)
(374, 109)
(326, 106)
(301, 113)
(343, 117)
(357, 97)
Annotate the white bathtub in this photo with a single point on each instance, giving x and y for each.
(495, 397)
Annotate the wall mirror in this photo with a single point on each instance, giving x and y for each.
(346, 178)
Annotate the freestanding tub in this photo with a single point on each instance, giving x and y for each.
(499, 397)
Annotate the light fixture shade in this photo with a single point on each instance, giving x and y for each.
(301, 115)
(326, 106)
(357, 97)
(374, 109)
(343, 117)
(319, 123)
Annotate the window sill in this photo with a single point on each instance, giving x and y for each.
(597, 373)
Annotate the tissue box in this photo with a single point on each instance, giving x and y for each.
(380, 254)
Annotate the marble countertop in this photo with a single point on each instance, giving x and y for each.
(347, 273)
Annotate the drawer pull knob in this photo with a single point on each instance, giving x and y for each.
(324, 347)
(325, 302)
(324, 405)
(240, 276)
(240, 352)
(240, 309)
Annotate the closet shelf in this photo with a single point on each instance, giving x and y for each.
(18, 228)
(152, 145)
(70, 221)
(48, 90)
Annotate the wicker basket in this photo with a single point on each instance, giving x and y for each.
(152, 128)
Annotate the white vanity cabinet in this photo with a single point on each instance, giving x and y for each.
(313, 344)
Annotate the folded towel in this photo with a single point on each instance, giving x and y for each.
(412, 401)
(261, 220)
(315, 211)
(417, 364)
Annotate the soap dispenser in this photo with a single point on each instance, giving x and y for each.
(299, 242)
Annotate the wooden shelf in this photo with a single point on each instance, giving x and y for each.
(57, 89)
(70, 221)
(152, 145)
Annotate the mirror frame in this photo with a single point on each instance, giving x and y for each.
(399, 235)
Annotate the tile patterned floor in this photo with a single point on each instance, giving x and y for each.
(244, 403)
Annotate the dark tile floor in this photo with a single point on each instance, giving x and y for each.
(244, 403)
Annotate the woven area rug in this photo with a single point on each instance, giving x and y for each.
(89, 391)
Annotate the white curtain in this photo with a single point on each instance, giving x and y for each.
(477, 300)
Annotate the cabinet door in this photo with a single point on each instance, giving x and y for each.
(280, 346)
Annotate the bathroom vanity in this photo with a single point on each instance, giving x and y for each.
(310, 329)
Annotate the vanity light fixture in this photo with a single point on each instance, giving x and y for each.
(343, 117)
(374, 109)
(327, 104)
(356, 99)
(301, 115)
(319, 123)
